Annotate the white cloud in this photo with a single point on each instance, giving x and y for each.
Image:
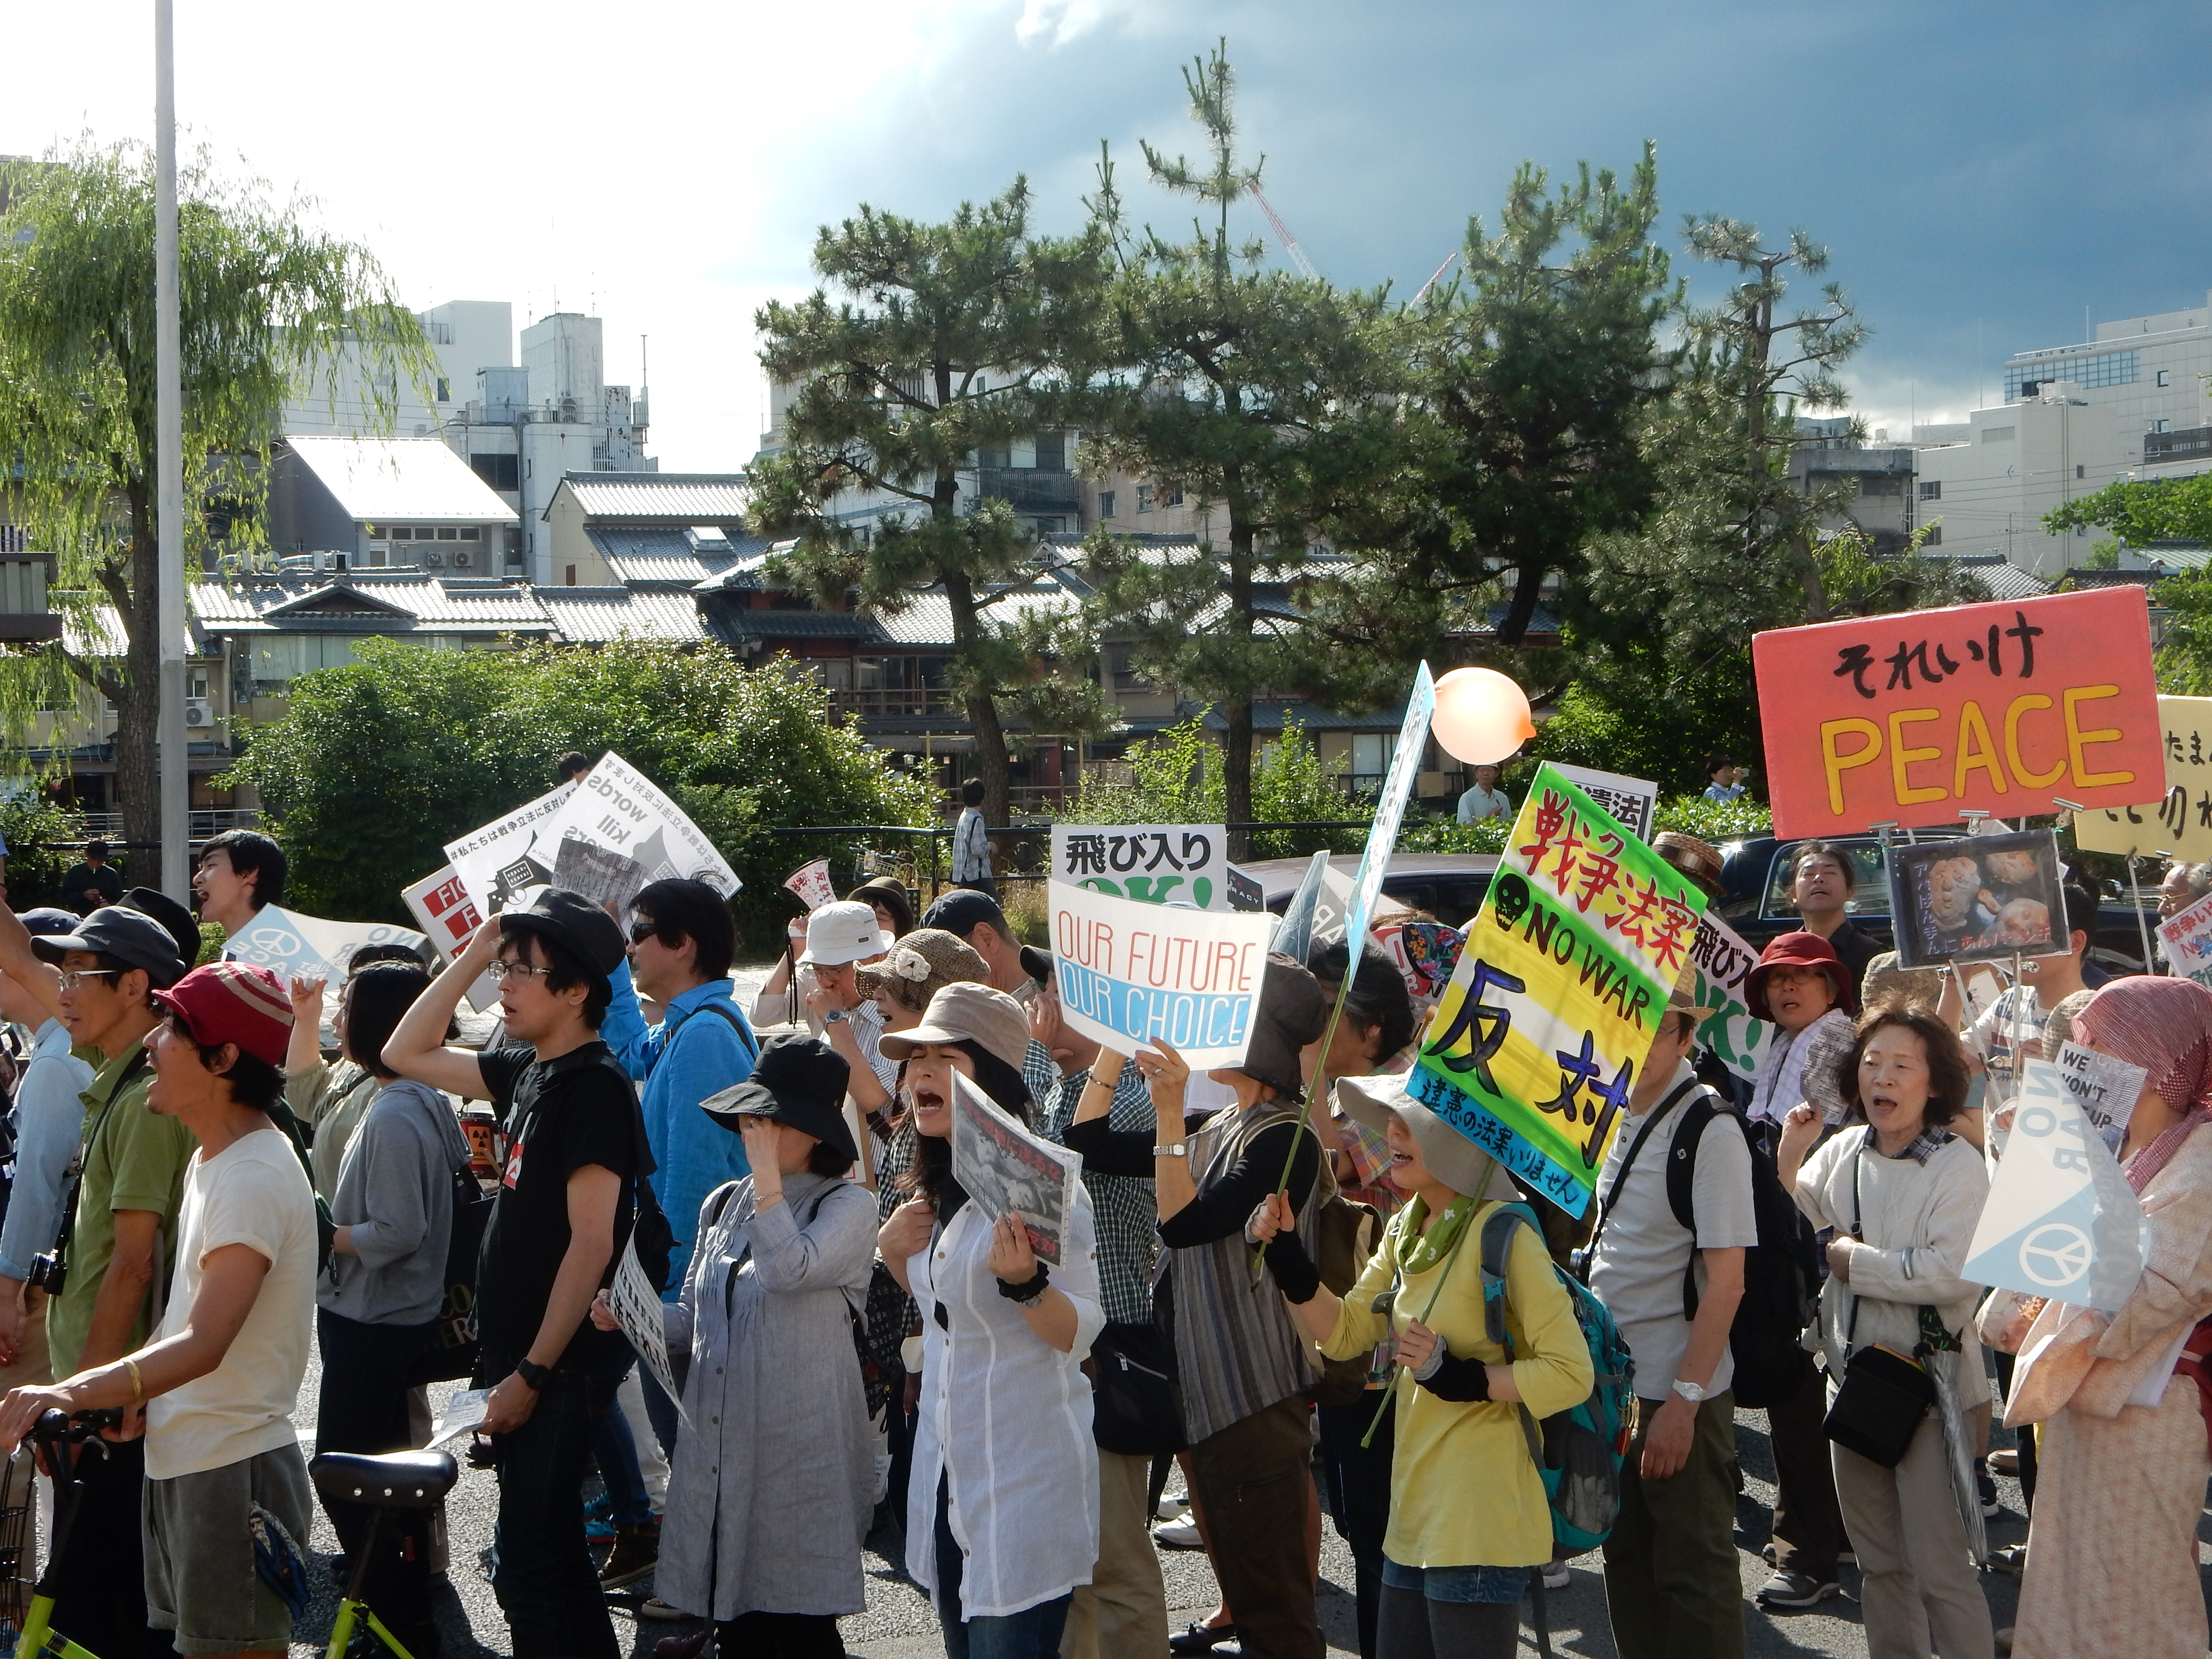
(1056, 22)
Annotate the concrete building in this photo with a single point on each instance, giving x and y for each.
(466, 337)
(1985, 486)
(379, 503)
(2150, 372)
(1873, 481)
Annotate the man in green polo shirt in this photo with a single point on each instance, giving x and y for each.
(117, 1235)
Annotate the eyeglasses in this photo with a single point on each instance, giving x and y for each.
(642, 931)
(503, 971)
(76, 976)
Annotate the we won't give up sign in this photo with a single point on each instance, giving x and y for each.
(1130, 975)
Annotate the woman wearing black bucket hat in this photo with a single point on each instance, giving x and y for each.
(773, 1477)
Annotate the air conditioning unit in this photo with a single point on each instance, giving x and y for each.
(461, 558)
(432, 558)
(198, 711)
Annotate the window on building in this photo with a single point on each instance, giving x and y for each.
(1143, 498)
(2159, 426)
(2166, 377)
(572, 576)
(2081, 471)
(499, 471)
(1935, 536)
(471, 534)
(1052, 450)
(2090, 371)
(1997, 435)
(444, 390)
(1870, 485)
(1173, 498)
(401, 532)
(448, 533)
(1370, 754)
(1105, 503)
(196, 685)
(1931, 489)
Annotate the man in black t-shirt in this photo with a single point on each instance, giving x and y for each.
(562, 1217)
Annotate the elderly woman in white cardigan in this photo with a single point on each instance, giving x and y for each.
(773, 1481)
(1903, 1194)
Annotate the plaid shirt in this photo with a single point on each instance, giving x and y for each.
(1123, 1206)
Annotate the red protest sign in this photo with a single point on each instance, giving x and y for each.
(1915, 718)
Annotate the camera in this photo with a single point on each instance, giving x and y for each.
(48, 1271)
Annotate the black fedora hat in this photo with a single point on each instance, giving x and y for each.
(798, 1080)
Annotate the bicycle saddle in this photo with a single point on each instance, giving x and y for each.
(392, 1480)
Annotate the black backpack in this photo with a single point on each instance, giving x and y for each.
(1781, 1272)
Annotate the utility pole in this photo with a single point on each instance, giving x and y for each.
(175, 748)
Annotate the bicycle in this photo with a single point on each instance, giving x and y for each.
(384, 1483)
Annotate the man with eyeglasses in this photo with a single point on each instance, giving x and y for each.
(117, 1237)
(566, 1204)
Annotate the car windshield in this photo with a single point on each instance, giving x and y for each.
(1870, 885)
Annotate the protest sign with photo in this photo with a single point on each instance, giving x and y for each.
(636, 1307)
(1915, 719)
(1559, 992)
(2061, 1220)
(1631, 800)
(1131, 973)
(293, 946)
(1006, 1170)
(509, 856)
(2105, 1088)
(2180, 824)
(619, 831)
(1977, 899)
(1722, 960)
(811, 883)
(1390, 805)
(2187, 936)
(1150, 863)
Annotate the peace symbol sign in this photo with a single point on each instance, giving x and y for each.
(2056, 1254)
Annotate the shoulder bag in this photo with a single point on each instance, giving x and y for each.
(1885, 1394)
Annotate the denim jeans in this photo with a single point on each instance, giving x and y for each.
(546, 1582)
(629, 1503)
(1032, 1633)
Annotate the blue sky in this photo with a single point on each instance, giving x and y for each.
(1980, 174)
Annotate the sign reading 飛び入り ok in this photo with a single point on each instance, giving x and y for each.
(1150, 863)
(1915, 717)
(1559, 992)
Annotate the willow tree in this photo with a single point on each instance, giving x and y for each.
(266, 306)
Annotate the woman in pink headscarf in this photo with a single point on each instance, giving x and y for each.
(2112, 1557)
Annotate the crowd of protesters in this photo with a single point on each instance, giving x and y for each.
(1254, 1285)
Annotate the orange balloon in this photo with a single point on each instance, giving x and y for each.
(1482, 716)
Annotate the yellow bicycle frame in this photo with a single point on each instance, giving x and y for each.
(38, 1636)
(341, 1632)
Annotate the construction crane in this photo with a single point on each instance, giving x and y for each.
(1283, 235)
(1437, 276)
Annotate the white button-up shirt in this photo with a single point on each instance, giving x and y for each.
(1009, 1417)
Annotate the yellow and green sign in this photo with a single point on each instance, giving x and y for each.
(1536, 1044)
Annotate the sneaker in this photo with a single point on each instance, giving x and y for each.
(1179, 1534)
(636, 1550)
(653, 1607)
(1796, 1589)
(1986, 1488)
(1556, 1576)
(1174, 1505)
(1197, 1636)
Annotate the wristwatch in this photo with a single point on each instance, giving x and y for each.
(1690, 1391)
(536, 1377)
(1174, 1149)
(834, 1017)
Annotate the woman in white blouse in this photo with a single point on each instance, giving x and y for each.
(1002, 1511)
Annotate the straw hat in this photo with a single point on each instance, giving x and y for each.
(1452, 1159)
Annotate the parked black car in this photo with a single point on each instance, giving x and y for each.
(1757, 904)
(1449, 886)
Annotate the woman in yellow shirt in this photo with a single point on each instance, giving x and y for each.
(1469, 1518)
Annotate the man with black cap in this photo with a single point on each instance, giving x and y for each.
(117, 1237)
(976, 918)
(563, 1214)
(94, 882)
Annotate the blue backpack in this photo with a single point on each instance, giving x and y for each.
(1578, 1451)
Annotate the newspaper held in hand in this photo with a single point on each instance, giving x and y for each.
(1004, 1169)
(636, 1307)
(463, 1412)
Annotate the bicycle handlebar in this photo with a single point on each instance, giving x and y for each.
(58, 1425)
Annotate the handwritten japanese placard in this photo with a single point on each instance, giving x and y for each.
(2187, 936)
(1915, 717)
(1559, 992)
(1723, 960)
(1150, 863)
(2181, 824)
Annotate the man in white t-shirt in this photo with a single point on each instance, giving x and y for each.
(218, 1380)
(2015, 1020)
(1670, 1573)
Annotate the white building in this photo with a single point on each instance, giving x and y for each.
(2151, 372)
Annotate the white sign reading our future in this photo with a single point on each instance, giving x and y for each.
(619, 831)
(1130, 975)
(636, 1307)
(509, 856)
(2061, 1220)
(293, 946)
(1150, 863)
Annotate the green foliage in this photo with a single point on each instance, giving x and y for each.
(35, 829)
(2184, 653)
(1693, 815)
(1178, 778)
(265, 302)
(376, 765)
(2141, 511)
(947, 342)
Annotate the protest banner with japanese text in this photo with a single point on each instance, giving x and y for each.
(1559, 992)
(636, 1307)
(1915, 718)
(1150, 863)
(1631, 800)
(510, 855)
(2187, 936)
(1006, 1170)
(1723, 961)
(1130, 974)
(619, 832)
(2060, 1220)
(811, 885)
(2179, 826)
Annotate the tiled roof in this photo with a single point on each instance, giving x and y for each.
(396, 480)
(595, 616)
(742, 621)
(664, 553)
(680, 498)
